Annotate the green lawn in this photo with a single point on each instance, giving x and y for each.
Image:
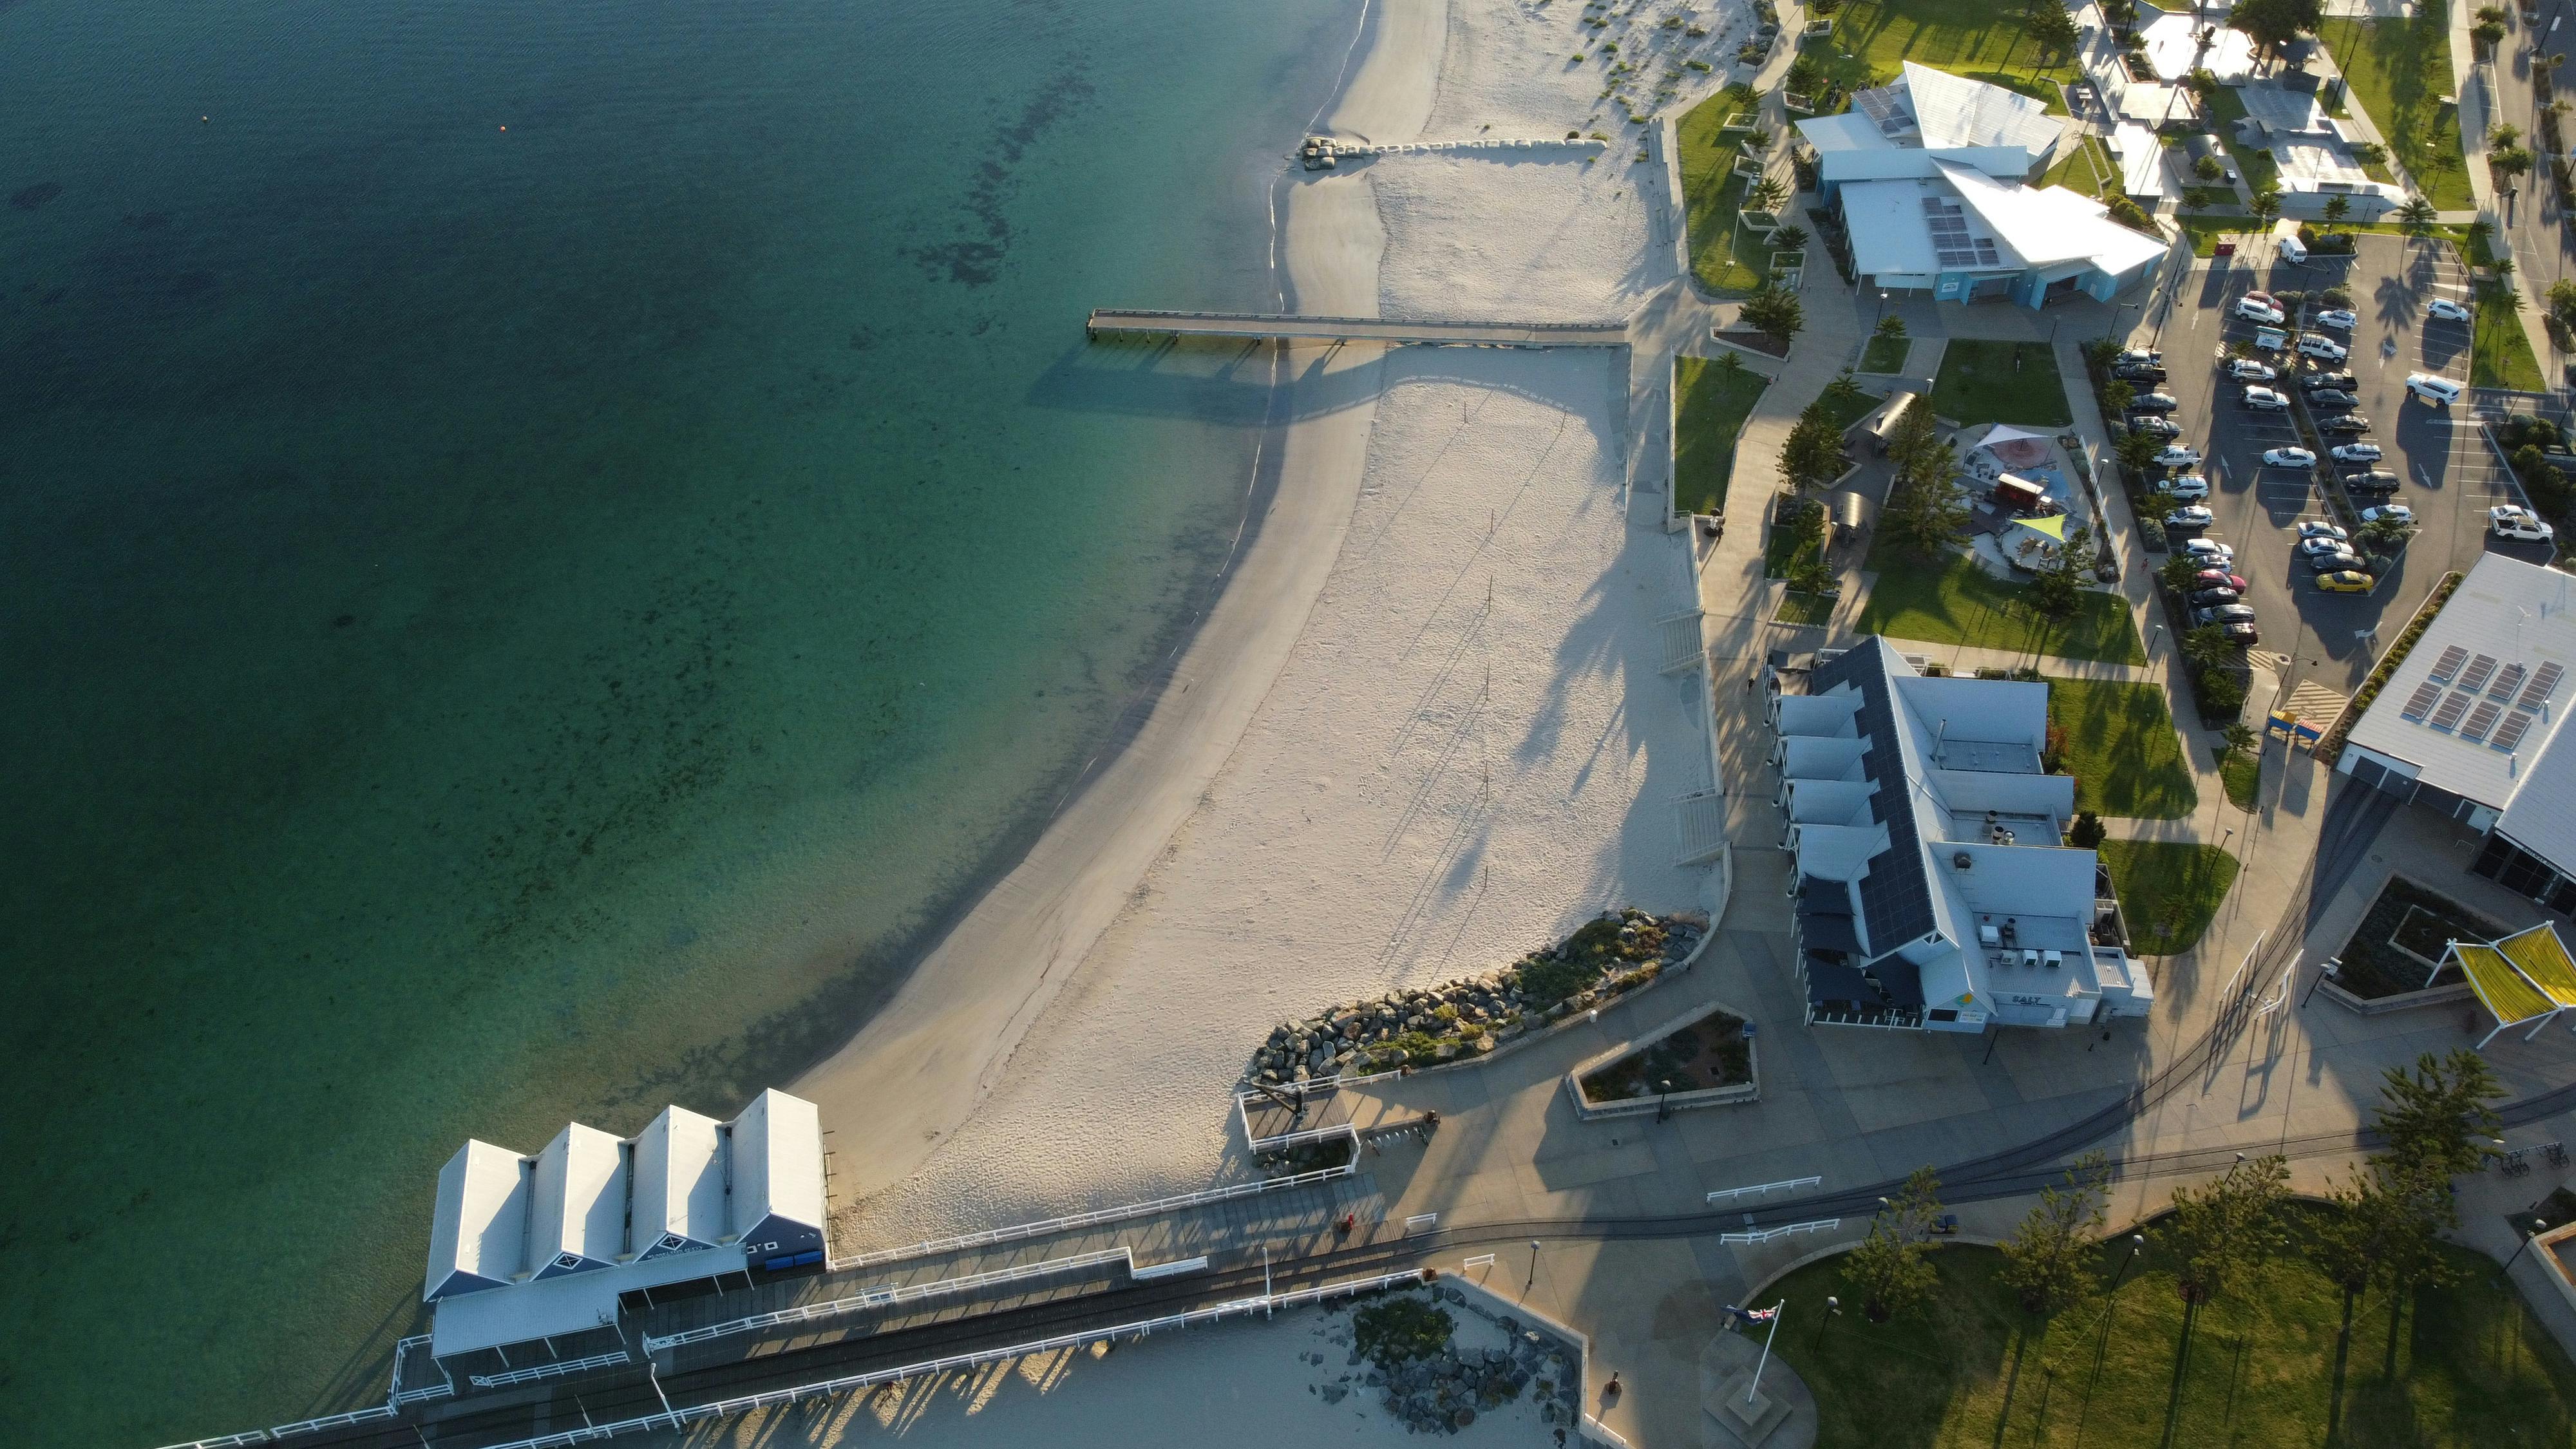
(1785, 549)
(1713, 409)
(2088, 168)
(2400, 70)
(2000, 382)
(1843, 412)
(2206, 231)
(1976, 38)
(2469, 1365)
(1956, 602)
(1886, 354)
(1728, 259)
(2168, 890)
(2261, 172)
(2500, 354)
(1804, 609)
(2119, 744)
(2243, 775)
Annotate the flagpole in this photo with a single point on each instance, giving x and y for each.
(1777, 1310)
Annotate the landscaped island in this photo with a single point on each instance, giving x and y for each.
(1470, 1016)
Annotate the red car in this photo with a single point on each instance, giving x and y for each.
(2218, 579)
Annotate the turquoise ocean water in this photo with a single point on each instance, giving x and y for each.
(542, 547)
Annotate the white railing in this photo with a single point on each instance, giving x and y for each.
(399, 1395)
(1760, 1188)
(1312, 1135)
(679, 1418)
(1765, 1235)
(229, 1441)
(1201, 1198)
(1270, 1094)
(554, 1370)
(887, 1297)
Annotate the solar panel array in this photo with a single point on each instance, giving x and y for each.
(2541, 686)
(2479, 670)
(1895, 895)
(2515, 694)
(2481, 720)
(2507, 682)
(1950, 239)
(2510, 734)
(1885, 109)
(2448, 716)
(2420, 701)
(2448, 665)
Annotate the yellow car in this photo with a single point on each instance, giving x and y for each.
(2346, 581)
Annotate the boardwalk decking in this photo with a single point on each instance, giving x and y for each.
(1108, 322)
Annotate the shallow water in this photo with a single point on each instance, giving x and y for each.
(545, 546)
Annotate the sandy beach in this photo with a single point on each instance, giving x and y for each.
(1422, 731)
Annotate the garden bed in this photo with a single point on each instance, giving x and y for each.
(1706, 1052)
(2401, 939)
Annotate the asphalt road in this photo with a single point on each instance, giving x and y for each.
(2452, 474)
(2541, 244)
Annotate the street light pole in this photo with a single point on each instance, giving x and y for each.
(2538, 1227)
(2137, 1244)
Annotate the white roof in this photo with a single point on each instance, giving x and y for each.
(679, 1181)
(2172, 47)
(1953, 110)
(476, 1230)
(1888, 232)
(579, 1207)
(1850, 131)
(2508, 612)
(564, 1305)
(2142, 159)
(777, 1162)
(2049, 224)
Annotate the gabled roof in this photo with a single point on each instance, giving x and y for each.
(2045, 225)
(1953, 110)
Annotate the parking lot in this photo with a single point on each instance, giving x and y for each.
(2450, 474)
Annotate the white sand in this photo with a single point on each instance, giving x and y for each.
(1422, 732)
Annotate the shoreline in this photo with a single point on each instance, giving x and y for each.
(915, 1070)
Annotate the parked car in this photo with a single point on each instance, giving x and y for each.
(2357, 453)
(2448, 310)
(2266, 298)
(2246, 369)
(2218, 579)
(2332, 397)
(2210, 598)
(2151, 356)
(2338, 318)
(2210, 549)
(2289, 458)
(2311, 547)
(2189, 487)
(2389, 513)
(2433, 388)
(2319, 528)
(2374, 481)
(2190, 515)
(2315, 346)
(2326, 563)
(2154, 402)
(2353, 423)
(2139, 372)
(2315, 380)
(2507, 520)
(2345, 581)
(2178, 456)
(2241, 634)
(2266, 399)
(2254, 311)
(2154, 426)
(2224, 614)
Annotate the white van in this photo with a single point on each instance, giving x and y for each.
(2440, 391)
(2294, 249)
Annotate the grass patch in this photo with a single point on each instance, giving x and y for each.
(1974, 38)
(2168, 890)
(2118, 742)
(2207, 231)
(1787, 548)
(2088, 168)
(1843, 412)
(2500, 352)
(2400, 70)
(1714, 406)
(1804, 609)
(1969, 1370)
(1728, 259)
(2243, 776)
(1885, 354)
(2000, 382)
(1956, 602)
(2261, 172)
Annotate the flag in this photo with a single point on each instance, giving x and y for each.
(1754, 1315)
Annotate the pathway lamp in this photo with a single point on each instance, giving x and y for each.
(2538, 1226)
(2137, 1244)
(1664, 1103)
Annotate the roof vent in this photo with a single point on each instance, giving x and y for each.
(1961, 860)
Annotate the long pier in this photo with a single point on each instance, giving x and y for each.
(1108, 322)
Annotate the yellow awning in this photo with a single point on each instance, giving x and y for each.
(2543, 961)
(2054, 525)
(2499, 986)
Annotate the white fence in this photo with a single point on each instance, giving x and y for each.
(558, 1369)
(1759, 1189)
(1068, 1223)
(1765, 1235)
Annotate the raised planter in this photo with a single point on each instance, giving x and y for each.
(1733, 1094)
(2402, 1001)
(1576, 1018)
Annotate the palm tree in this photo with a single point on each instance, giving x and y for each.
(2337, 209)
(2267, 206)
(1845, 387)
(2416, 215)
(1767, 193)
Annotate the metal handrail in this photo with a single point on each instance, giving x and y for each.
(554, 1370)
(1092, 1219)
(1764, 1235)
(1785, 1184)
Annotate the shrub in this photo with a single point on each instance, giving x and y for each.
(2087, 832)
(2219, 692)
(1400, 1330)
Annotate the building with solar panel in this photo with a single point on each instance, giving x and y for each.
(1930, 176)
(2468, 725)
(1932, 888)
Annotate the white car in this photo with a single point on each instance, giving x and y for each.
(2357, 453)
(2265, 399)
(2256, 311)
(2434, 389)
(2311, 547)
(2338, 318)
(2508, 521)
(2289, 458)
(2211, 549)
(2317, 528)
(2177, 456)
(2315, 346)
(2448, 310)
(2190, 488)
(2190, 516)
(2246, 369)
(2389, 513)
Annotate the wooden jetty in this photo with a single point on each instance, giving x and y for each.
(1108, 322)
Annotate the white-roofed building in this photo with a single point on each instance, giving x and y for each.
(2468, 724)
(478, 1232)
(577, 1202)
(1932, 890)
(679, 1201)
(2141, 154)
(778, 1175)
(1929, 177)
